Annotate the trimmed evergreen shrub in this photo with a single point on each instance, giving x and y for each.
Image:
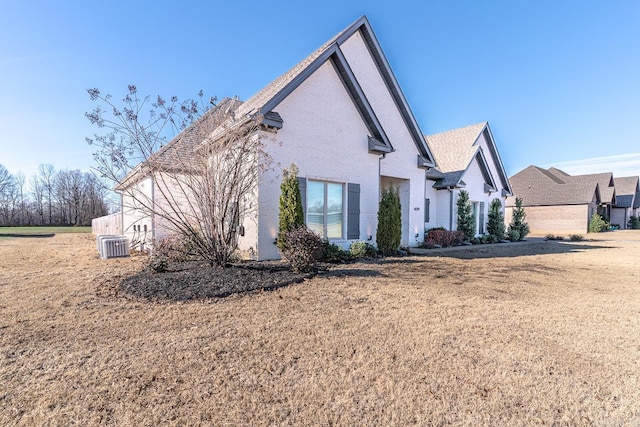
(634, 222)
(597, 224)
(361, 249)
(334, 253)
(518, 228)
(389, 230)
(290, 215)
(466, 221)
(302, 248)
(495, 223)
(513, 234)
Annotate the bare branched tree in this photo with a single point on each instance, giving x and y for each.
(203, 180)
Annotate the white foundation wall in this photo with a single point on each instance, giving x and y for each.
(134, 213)
(402, 163)
(325, 136)
(446, 208)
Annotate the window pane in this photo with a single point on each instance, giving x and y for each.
(315, 207)
(334, 210)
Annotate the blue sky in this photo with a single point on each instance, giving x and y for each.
(558, 81)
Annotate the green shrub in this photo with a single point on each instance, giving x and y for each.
(389, 229)
(495, 223)
(518, 227)
(302, 248)
(334, 253)
(466, 221)
(290, 215)
(576, 237)
(597, 224)
(361, 249)
(634, 222)
(483, 240)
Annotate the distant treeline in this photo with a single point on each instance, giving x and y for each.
(51, 197)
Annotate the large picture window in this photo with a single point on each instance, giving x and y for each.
(324, 208)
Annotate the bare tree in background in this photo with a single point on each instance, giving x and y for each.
(7, 196)
(76, 197)
(47, 173)
(204, 179)
(37, 195)
(20, 181)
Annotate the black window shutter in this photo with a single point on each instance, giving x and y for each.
(353, 212)
(302, 183)
(481, 218)
(427, 202)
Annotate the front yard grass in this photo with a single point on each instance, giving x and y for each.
(538, 334)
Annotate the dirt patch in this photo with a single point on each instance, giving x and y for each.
(197, 281)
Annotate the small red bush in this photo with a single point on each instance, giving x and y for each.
(444, 238)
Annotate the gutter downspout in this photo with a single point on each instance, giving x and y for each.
(450, 207)
(383, 156)
(121, 213)
(153, 216)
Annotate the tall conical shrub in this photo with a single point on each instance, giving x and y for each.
(518, 228)
(466, 221)
(389, 230)
(290, 215)
(495, 224)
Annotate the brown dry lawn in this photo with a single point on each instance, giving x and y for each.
(519, 334)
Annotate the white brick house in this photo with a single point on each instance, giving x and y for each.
(467, 159)
(342, 118)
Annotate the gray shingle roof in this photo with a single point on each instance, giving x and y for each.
(257, 101)
(604, 180)
(540, 187)
(454, 149)
(627, 189)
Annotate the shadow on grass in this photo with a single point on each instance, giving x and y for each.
(512, 250)
(41, 235)
(345, 272)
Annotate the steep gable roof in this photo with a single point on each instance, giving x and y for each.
(455, 149)
(263, 102)
(270, 96)
(627, 189)
(604, 180)
(540, 187)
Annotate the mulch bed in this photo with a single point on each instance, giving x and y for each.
(197, 281)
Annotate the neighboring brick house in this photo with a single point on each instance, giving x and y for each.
(556, 202)
(467, 159)
(627, 201)
(605, 182)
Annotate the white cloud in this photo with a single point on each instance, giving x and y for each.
(621, 165)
